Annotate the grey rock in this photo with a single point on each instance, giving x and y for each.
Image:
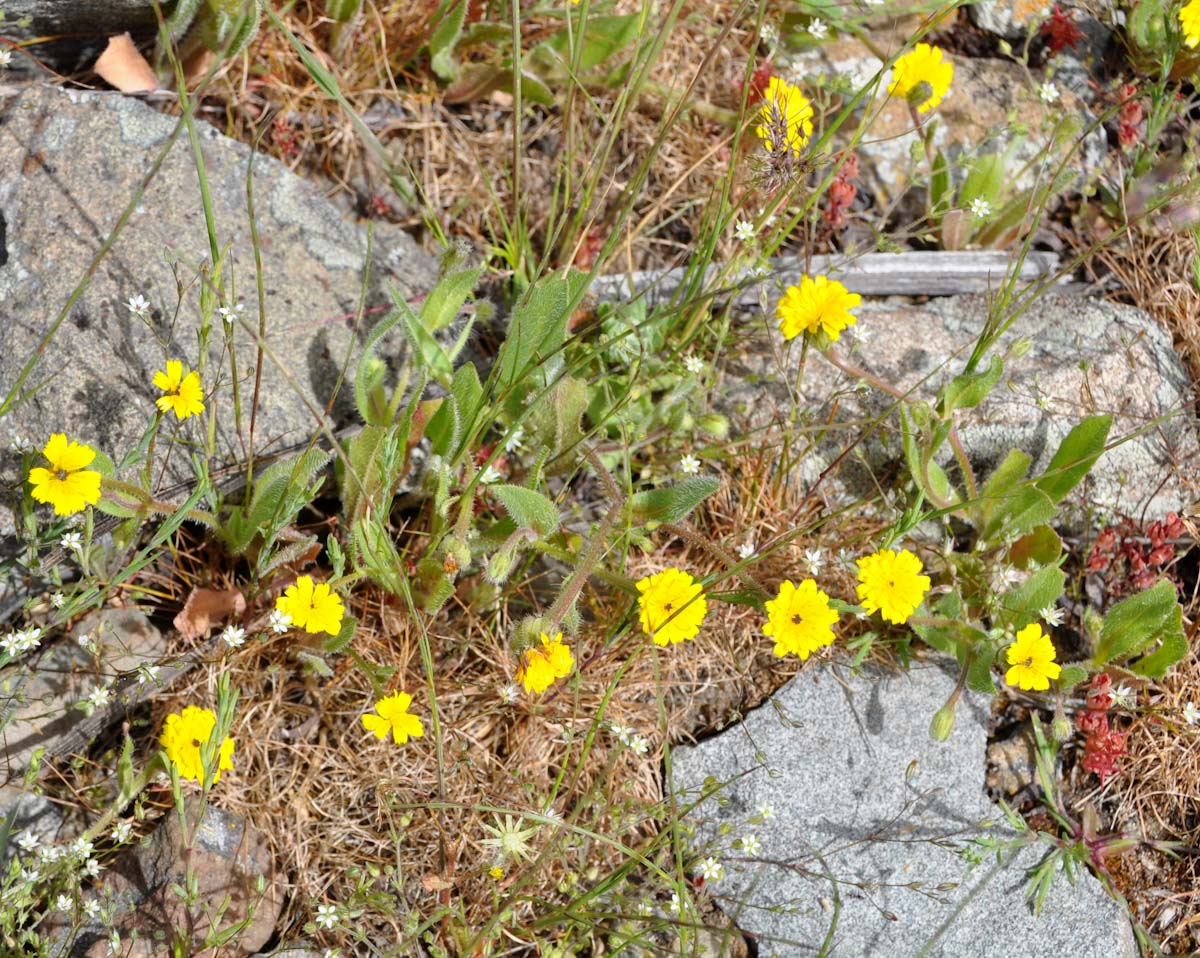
(38, 694)
(291, 951)
(1088, 356)
(996, 16)
(872, 811)
(70, 165)
(25, 811)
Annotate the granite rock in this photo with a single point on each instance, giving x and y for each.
(71, 164)
(871, 811)
(1087, 356)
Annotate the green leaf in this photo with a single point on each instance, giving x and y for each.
(1155, 665)
(336, 643)
(1134, 623)
(1075, 457)
(528, 507)
(954, 637)
(970, 389)
(553, 423)
(1024, 510)
(979, 674)
(538, 327)
(984, 179)
(445, 37)
(601, 37)
(315, 662)
(939, 184)
(444, 301)
(1042, 546)
(342, 11)
(1002, 484)
(428, 351)
(445, 428)
(674, 502)
(1071, 676)
(1022, 605)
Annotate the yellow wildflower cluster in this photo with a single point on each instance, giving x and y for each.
(185, 734)
(817, 305)
(542, 667)
(67, 485)
(182, 393)
(312, 607)
(1031, 658)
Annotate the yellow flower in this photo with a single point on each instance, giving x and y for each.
(496, 871)
(922, 77)
(183, 393)
(183, 736)
(816, 305)
(672, 606)
(66, 485)
(393, 716)
(542, 667)
(312, 608)
(1189, 20)
(1032, 660)
(786, 117)
(891, 582)
(800, 619)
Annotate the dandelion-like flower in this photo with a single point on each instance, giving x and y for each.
(891, 582)
(67, 485)
(392, 715)
(980, 208)
(818, 304)
(671, 606)
(542, 667)
(311, 607)
(182, 393)
(1189, 22)
(689, 465)
(1032, 660)
(183, 736)
(785, 118)
(800, 619)
(922, 76)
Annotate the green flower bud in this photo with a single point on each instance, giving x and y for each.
(943, 721)
(714, 424)
(500, 565)
(920, 94)
(1060, 728)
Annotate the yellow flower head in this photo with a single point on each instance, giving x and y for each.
(183, 394)
(785, 117)
(541, 668)
(799, 619)
(313, 608)
(922, 77)
(1189, 20)
(184, 734)
(816, 305)
(1032, 660)
(671, 606)
(891, 582)
(66, 485)
(392, 715)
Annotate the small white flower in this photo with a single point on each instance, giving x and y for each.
(1124, 697)
(815, 560)
(81, 848)
(31, 876)
(1005, 577)
(122, 831)
(490, 474)
(5, 59)
(327, 916)
(50, 853)
(229, 314)
(770, 220)
(845, 557)
(11, 644)
(510, 693)
(1191, 714)
(818, 29)
(710, 869)
(72, 540)
(58, 600)
(332, 953)
(91, 908)
(751, 845)
(746, 549)
(623, 733)
(138, 306)
(675, 905)
(689, 465)
(63, 903)
(27, 841)
(515, 440)
(1048, 92)
(744, 231)
(147, 673)
(640, 744)
(22, 445)
(693, 364)
(114, 942)
(768, 33)
(766, 811)
(1052, 615)
(760, 270)
(980, 208)
(99, 696)
(86, 642)
(91, 867)
(280, 621)
(234, 636)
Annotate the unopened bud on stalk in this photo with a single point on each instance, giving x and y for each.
(714, 424)
(1060, 728)
(943, 721)
(920, 94)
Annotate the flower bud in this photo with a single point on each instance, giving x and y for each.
(1060, 728)
(714, 424)
(500, 566)
(943, 721)
(920, 94)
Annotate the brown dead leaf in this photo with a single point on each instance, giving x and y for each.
(205, 607)
(122, 66)
(433, 882)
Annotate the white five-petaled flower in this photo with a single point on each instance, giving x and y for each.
(230, 313)
(81, 848)
(122, 831)
(710, 869)
(58, 600)
(27, 841)
(234, 636)
(1005, 576)
(22, 444)
(91, 867)
(1052, 615)
(510, 693)
(693, 364)
(72, 540)
(515, 440)
(91, 908)
(815, 560)
(768, 33)
(751, 845)
(639, 744)
(1191, 714)
(766, 811)
(31, 876)
(623, 733)
(689, 465)
(1048, 92)
(490, 474)
(86, 642)
(138, 305)
(744, 231)
(5, 59)
(327, 916)
(280, 621)
(980, 208)
(817, 28)
(674, 905)
(100, 696)
(746, 549)
(63, 903)
(147, 673)
(1124, 697)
